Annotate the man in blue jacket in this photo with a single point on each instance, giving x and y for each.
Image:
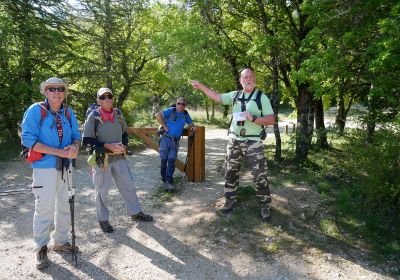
(50, 131)
(172, 120)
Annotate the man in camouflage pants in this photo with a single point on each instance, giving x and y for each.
(251, 111)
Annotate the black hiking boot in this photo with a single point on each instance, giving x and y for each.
(142, 217)
(230, 203)
(41, 258)
(106, 227)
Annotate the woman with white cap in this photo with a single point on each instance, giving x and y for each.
(50, 131)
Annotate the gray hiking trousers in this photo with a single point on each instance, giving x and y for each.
(117, 169)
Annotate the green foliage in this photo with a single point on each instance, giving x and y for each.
(33, 45)
(359, 187)
(9, 148)
(376, 168)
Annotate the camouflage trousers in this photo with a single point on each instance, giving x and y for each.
(237, 150)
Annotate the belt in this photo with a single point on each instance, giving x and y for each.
(170, 136)
(238, 135)
(107, 155)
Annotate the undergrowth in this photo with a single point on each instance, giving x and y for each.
(359, 183)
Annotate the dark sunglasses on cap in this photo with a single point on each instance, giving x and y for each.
(104, 97)
(54, 89)
(182, 104)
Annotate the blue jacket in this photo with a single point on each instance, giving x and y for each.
(46, 132)
(176, 127)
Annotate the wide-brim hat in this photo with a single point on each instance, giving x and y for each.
(53, 81)
(102, 91)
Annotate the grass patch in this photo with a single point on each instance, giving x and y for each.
(160, 196)
(245, 193)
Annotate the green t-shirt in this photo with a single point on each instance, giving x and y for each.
(251, 106)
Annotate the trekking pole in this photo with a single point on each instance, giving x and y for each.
(190, 143)
(71, 191)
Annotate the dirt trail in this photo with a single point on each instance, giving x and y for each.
(188, 240)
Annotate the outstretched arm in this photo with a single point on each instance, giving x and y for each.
(209, 92)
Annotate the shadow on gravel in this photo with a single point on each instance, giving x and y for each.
(56, 271)
(85, 267)
(186, 262)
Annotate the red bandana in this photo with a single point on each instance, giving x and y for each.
(107, 115)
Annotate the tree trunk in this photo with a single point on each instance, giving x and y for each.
(207, 113)
(212, 110)
(322, 140)
(305, 122)
(234, 69)
(371, 123)
(156, 105)
(107, 44)
(226, 111)
(340, 120)
(275, 107)
(123, 95)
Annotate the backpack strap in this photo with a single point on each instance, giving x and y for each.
(235, 98)
(258, 101)
(119, 114)
(67, 114)
(44, 108)
(97, 117)
(173, 115)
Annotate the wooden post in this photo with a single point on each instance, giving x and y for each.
(286, 129)
(294, 128)
(195, 170)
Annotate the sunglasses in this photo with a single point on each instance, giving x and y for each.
(104, 97)
(181, 104)
(54, 89)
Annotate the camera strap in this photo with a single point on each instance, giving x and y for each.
(244, 100)
(59, 128)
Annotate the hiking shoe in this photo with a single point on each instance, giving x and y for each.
(142, 217)
(168, 187)
(41, 258)
(65, 248)
(265, 212)
(230, 203)
(106, 227)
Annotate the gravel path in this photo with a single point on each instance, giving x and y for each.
(182, 243)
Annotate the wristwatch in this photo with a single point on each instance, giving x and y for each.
(254, 118)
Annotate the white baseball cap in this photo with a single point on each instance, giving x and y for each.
(102, 91)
